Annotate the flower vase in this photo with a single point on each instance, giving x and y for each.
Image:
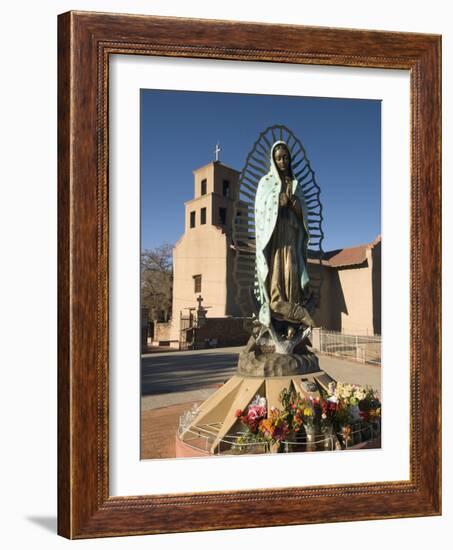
(376, 428)
(356, 433)
(257, 449)
(328, 435)
(289, 444)
(367, 431)
(311, 438)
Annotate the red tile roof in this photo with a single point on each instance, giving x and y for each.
(354, 255)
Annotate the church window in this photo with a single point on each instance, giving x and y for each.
(203, 216)
(204, 184)
(192, 219)
(197, 283)
(222, 216)
(226, 188)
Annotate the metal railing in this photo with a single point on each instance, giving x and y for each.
(201, 437)
(360, 348)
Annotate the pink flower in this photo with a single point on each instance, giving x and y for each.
(252, 414)
(256, 411)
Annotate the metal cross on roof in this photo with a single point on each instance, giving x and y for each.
(217, 151)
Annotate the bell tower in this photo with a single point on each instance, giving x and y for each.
(215, 192)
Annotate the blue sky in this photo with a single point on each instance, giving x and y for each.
(342, 139)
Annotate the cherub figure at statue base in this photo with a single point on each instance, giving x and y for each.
(279, 350)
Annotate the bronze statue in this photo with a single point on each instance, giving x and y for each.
(281, 249)
(280, 199)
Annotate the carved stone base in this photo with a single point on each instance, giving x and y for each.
(256, 360)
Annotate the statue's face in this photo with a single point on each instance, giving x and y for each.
(282, 158)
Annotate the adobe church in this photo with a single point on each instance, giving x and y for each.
(203, 284)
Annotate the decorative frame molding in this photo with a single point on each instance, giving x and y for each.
(85, 42)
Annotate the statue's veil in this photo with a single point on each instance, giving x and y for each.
(257, 165)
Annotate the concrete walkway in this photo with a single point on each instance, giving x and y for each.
(150, 402)
(350, 372)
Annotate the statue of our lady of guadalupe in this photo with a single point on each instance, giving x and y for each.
(281, 248)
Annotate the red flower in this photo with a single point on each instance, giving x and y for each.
(238, 413)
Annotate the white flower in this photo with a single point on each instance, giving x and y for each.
(259, 401)
(346, 392)
(360, 394)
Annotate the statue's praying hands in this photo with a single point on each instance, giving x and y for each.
(284, 200)
(295, 204)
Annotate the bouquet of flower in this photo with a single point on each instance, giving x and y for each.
(293, 409)
(351, 394)
(341, 407)
(329, 411)
(250, 418)
(355, 404)
(370, 407)
(262, 426)
(300, 411)
(254, 414)
(342, 416)
(312, 413)
(275, 428)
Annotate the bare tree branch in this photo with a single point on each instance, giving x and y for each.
(157, 281)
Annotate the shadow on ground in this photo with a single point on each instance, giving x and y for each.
(49, 523)
(177, 373)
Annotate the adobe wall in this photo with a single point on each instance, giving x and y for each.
(350, 297)
(377, 287)
(200, 251)
(331, 300)
(356, 283)
(228, 331)
(162, 332)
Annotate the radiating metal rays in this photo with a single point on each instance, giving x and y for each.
(257, 164)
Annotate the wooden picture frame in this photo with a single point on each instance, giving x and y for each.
(85, 41)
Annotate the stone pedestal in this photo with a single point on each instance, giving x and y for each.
(261, 360)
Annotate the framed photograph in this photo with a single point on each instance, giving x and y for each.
(249, 275)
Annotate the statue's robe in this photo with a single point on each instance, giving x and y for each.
(281, 245)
